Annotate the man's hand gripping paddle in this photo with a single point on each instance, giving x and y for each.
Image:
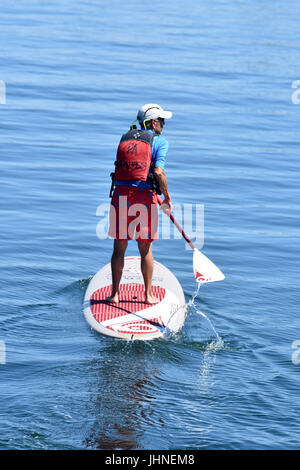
(204, 269)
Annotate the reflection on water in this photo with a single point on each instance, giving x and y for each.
(133, 393)
(123, 401)
(126, 386)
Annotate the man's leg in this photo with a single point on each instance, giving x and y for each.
(147, 265)
(117, 264)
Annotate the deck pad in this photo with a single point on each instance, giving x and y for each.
(131, 300)
(132, 317)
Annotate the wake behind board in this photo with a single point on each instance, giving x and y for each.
(131, 318)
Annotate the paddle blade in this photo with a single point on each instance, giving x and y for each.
(204, 269)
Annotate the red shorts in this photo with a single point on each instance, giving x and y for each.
(133, 215)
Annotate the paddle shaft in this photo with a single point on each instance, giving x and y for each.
(160, 201)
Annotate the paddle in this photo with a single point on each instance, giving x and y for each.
(204, 269)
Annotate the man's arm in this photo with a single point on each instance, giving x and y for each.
(163, 185)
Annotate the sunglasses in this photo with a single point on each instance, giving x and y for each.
(162, 121)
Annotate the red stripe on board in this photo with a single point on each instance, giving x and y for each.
(131, 300)
(137, 327)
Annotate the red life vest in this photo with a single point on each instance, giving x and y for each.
(134, 155)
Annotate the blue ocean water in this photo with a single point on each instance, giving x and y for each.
(75, 76)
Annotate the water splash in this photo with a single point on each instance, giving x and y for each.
(215, 344)
(191, 303)
(219, 343)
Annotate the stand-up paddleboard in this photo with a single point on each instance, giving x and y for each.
(131, 318)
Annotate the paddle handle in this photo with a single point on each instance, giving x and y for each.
(160, 202)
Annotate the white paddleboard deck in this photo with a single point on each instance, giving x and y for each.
(131, 318)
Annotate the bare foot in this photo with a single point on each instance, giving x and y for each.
(151, 299)
(113, 299)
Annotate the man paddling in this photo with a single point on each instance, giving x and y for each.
(140, 153)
